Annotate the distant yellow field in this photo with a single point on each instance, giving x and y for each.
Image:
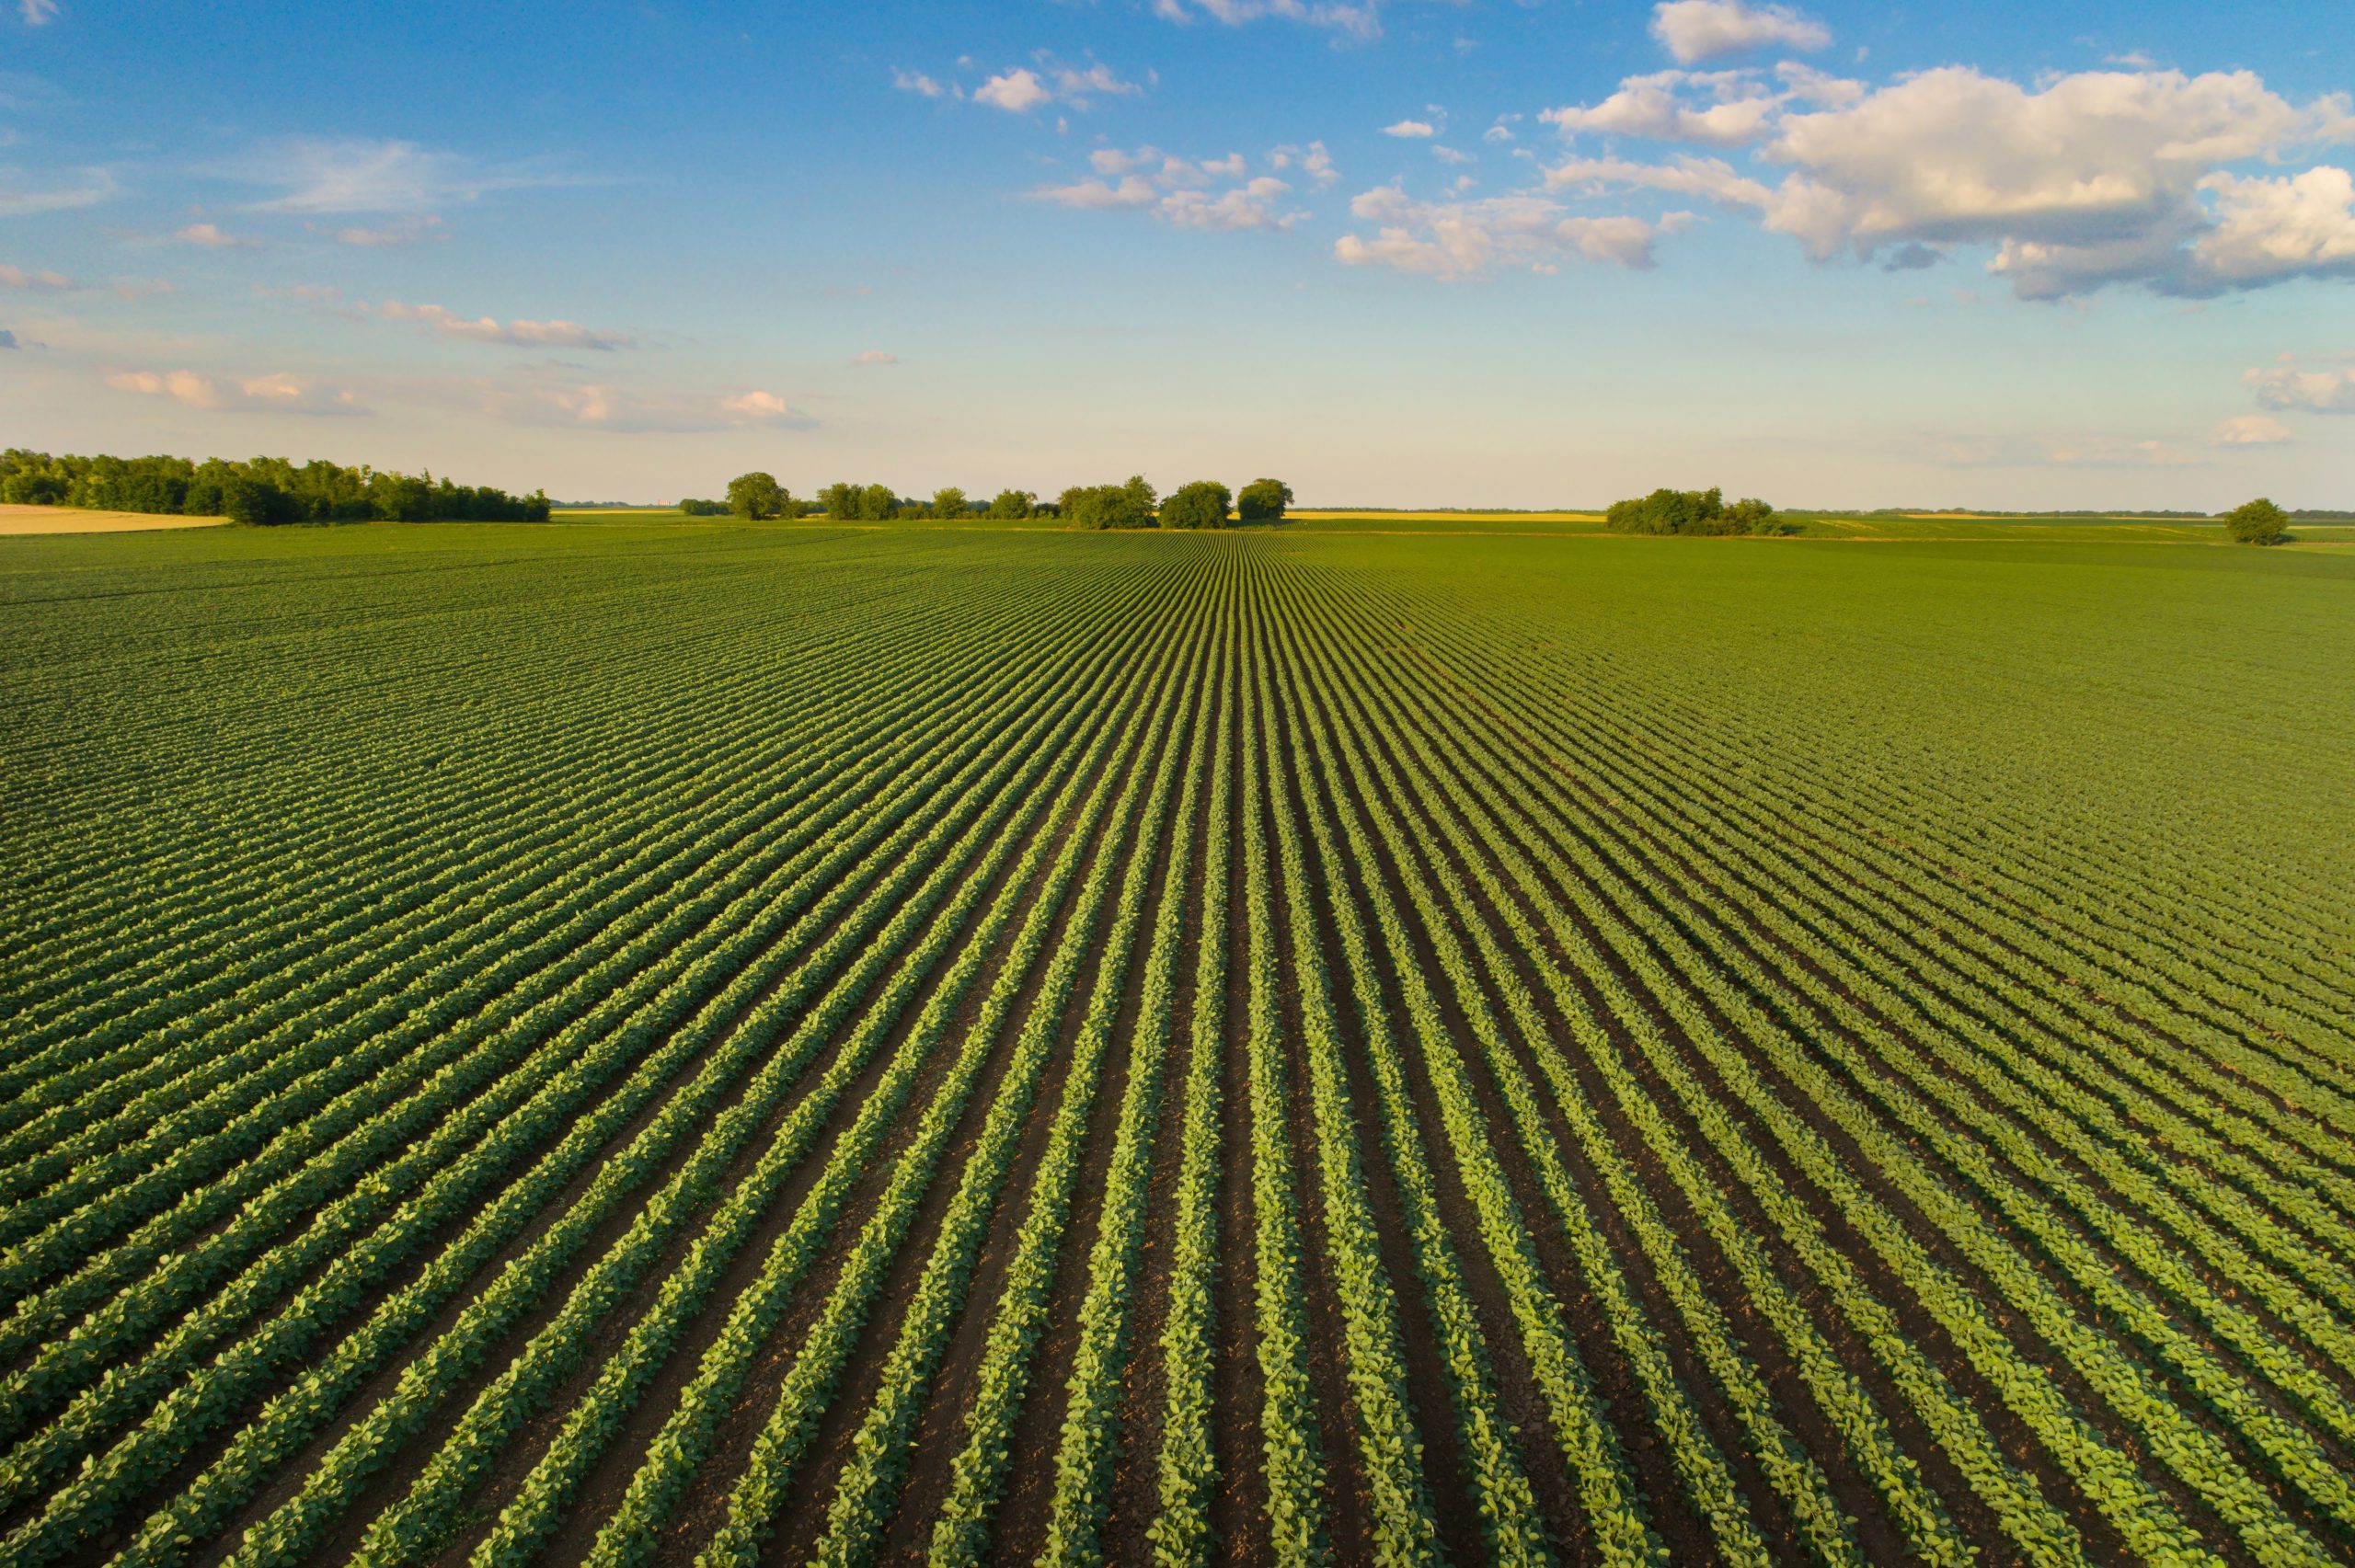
(74, 520)
(1452, 516)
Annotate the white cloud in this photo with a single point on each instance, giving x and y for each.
(1450, 155)
(314, 174)
(1460, 240)
(97, 185)
(1360, 21)
(282, 393)
(1738, 109)
(1187, 192)
(875, 357)
(1713, 179)
(2081, 181)
(918, 83)
(537, 400)
(1411, 129)
(37, 12)
(518, 333)
(2290, 385)
(2271, 228)
(54, 282)
(1017, 91)
(1312, 160)
(212, 236)
(1705, 29)
(2251, 429)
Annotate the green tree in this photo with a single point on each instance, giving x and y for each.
(948, 504)
(1201, 504)
(1692, 511)
(692, 506)
(1011, 506)
(2257, 522)
(1136, 504)
(841, 501)
(876, 504)
(1263, 500)
(756, 495)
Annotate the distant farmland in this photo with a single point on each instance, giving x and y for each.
(632, 1042)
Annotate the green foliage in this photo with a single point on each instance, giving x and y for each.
(1202, 504)
(260, 489)
(692, 508)
(1009, 506)
(877, 504)
(1110, 506)
(1263, 500)
(841, 501)
(1692, 511)
(948, 505)
(757, 496)
(2257, 522)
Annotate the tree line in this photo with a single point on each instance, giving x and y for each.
(257, 490)
(1134, 503)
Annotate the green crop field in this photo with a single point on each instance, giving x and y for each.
(636, 1041)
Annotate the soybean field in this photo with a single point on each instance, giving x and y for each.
(640, 1043)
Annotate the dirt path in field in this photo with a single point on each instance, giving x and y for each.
(15, 519)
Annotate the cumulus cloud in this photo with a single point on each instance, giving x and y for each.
(1413, 129)
(1021, 89)
(604, 406)
(1711, 179)
(1715, 109)
(1312, 160)
(1205, 193)
(2081, 181)
(1707, 29)
(517, 333)
(2281, 227)
(2251, 429)
(46, 280)
(210, 236)
(94, 185)
(328, 175)
(1461, 240)
(280, 393)
(916, 82)
(875, 357)
(1017, 91)
(2292, 385)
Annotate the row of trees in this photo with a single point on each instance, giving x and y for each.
(1205, 503)
(1692, 511)
(258, 490)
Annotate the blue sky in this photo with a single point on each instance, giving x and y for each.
(1509, 252)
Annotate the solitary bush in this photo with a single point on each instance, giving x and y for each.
(2257, 522)
(1692, 511)
(1263, 500)
(1201, 504)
